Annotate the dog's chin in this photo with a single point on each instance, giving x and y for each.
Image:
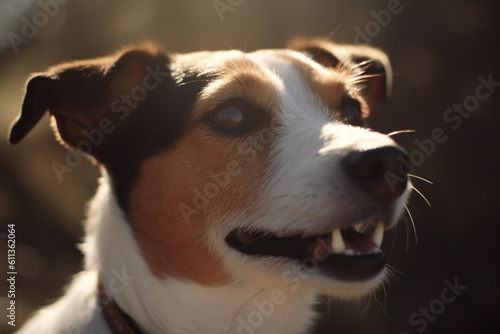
(297, 275)
(342, 289)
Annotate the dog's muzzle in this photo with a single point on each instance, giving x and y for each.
(351, 252)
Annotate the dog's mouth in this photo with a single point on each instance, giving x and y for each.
(351, 254)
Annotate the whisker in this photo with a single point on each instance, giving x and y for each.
(368, 302)
(385, 298)
(357, 71)
(420, 178)
(364, 77)
(189, 82)
(422, 195)
(329, 308)
(241, 307)
(367, 63)
(400, 131)
(331, 33)
(393, 275)
(226, 43)
(382, 305)
(407, 234)
(412, 223)
(394, 271)
(368, 76)
(393, 240)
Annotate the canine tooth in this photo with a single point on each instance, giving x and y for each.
(378, 233)
(338, 245)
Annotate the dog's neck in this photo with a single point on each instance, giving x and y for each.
(172, 305)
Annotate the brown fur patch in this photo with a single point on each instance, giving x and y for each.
(208, 176)
(177, 200)
(377, 85)
(330, 85)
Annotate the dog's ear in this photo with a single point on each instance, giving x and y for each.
(91, 102)
(372, 64)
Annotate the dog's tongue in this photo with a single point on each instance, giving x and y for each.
(358, 242)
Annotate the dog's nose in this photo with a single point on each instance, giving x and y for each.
(379, 171)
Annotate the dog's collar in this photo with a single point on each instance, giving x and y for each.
(119, 321)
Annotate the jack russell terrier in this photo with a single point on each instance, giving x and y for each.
(236, 187)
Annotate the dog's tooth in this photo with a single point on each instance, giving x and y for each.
(338, 244)
(378, 233)
(349, 252)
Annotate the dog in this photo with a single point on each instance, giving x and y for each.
(236, 187)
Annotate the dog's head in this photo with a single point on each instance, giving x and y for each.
(235, 166)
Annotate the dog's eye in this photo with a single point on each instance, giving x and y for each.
(228, 117)
(351, 112)
(231, 118)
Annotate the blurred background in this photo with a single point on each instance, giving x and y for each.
(441, 51)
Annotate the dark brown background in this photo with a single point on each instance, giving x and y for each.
(438, 51)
